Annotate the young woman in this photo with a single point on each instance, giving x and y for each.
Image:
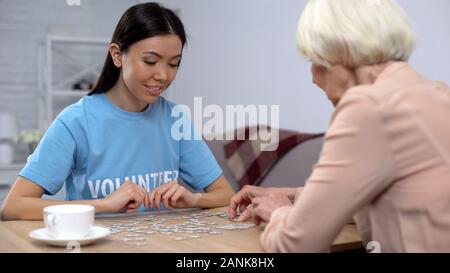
(113, 149)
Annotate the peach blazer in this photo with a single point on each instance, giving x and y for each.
(385, 161)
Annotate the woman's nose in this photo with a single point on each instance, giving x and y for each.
(161, 75)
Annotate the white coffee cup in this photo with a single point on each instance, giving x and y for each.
(69, 221)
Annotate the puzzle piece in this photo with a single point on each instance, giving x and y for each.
(191, 225)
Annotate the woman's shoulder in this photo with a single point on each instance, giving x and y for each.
(77, 110)
(357, 106)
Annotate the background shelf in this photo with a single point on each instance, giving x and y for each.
(63, 61)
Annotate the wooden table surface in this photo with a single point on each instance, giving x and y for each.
(14, 237)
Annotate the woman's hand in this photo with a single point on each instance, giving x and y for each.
(129, 197)
(241, 201)
(172, 195)
(263, 206)
(244, 201)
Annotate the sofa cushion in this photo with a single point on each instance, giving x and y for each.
(296, 166)
(292, 170)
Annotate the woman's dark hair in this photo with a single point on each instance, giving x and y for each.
(139, 22)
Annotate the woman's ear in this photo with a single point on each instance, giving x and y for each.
(116, 54)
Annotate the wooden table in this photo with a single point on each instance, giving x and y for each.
(14, 238)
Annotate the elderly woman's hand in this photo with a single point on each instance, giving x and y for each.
(263, 206)
(244, 200)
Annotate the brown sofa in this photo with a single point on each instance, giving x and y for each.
(292, 170)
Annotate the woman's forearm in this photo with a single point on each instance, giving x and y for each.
(218, 194)
(213, 199)
(31, 208)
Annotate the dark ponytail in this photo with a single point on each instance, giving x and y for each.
(139, 22)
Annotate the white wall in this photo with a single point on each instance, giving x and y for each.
(431, 20)
(244, 52)
(23, 27)
(239, 52)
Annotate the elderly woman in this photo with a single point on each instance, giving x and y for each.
(386, 156)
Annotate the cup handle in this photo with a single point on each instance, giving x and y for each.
(52, 220)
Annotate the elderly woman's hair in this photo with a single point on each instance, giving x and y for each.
(355, 32)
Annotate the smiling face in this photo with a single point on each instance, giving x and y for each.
(148, 67)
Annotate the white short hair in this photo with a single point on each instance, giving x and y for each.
(355, 32)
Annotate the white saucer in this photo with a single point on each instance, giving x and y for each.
(43, 235)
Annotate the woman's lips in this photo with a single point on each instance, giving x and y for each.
(154, 90)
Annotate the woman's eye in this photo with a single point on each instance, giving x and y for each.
(149, 63)
(174, 65)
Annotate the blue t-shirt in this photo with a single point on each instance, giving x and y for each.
(94, 146)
